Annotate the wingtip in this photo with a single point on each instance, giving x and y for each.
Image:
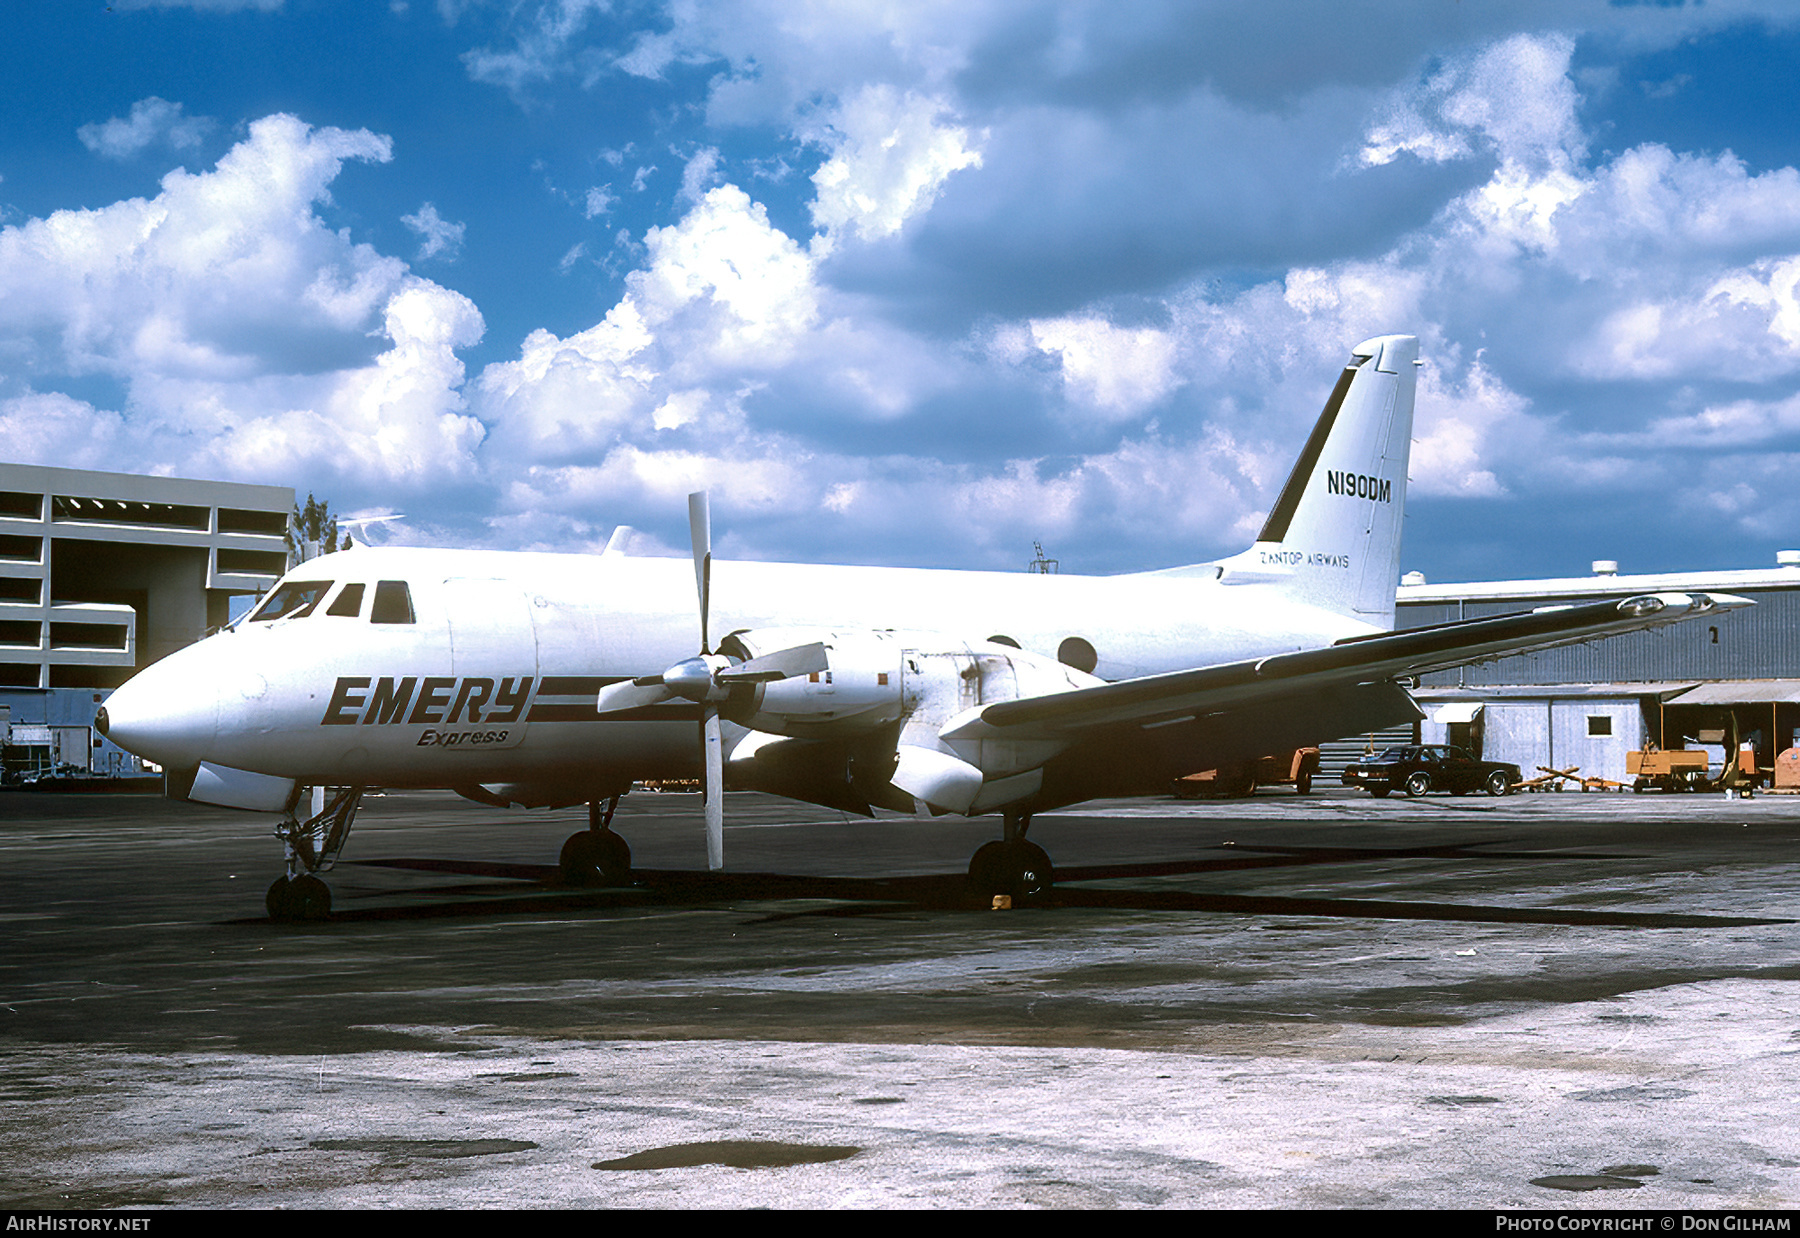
(1685, 603)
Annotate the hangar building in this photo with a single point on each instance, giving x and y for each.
(1689, 685)
(104, 573)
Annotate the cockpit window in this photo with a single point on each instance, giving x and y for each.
(294, 600)
(393, 603)
(348, 604)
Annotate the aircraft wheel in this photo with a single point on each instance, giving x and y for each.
(303, 898)
(1028, 869)
(985, 865)
(311, 898)
(615, 859)
(1418, 784)
(1498, 783)
(595, 858)
(1019, 868)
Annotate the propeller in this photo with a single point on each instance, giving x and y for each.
(707, 680)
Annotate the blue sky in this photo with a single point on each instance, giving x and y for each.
(919, 283)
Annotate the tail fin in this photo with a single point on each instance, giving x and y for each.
(1333, 537)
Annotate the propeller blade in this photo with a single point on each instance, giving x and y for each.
(700, 530)
(631, 694)
(782, 664)
(714, 752)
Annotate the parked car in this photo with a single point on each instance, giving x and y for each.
(1419, 768)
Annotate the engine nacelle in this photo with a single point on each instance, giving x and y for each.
(860, 691)
(917, 683)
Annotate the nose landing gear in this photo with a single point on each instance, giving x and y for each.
(1019, 869)
(312, 847)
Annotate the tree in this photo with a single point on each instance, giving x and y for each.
(313, 531)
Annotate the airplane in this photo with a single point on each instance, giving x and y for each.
(539, 680)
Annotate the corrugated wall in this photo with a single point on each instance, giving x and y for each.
(1760, 642)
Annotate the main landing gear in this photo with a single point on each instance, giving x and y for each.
(312, 847)
(597, 856)
(1012, 866)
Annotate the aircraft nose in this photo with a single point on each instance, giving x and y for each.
(165, 713)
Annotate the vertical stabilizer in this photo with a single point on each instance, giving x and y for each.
(1333, 537)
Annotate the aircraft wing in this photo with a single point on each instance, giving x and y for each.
(1181, 695)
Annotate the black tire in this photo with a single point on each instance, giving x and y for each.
(1497, 784)
(1418, 783)
(987, 871)
(1303, 784)
(303, 898)
(1380, 793)
(1019, 869)
(1028, 870)
(595, 858)
(310, 898)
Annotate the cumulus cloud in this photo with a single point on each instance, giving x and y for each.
(438, 236)
(249, 339)
(600, 200)
(152, 122)
(546, 43)
(51, 428)
(1088, 274)
(700, 173)
(724, 295)
(1514, 97)
(1075, 272)
(1112, 370)
(212, 276)
(890, 154)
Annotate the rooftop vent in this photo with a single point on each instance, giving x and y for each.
(1418, 578)
(1606, 567)
(1787, 558)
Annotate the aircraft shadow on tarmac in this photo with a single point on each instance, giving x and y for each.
(949, 892)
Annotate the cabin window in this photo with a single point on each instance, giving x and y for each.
(349, 603)
(1599, 724)
(294, 600)
(393, 603)
(1076, 652)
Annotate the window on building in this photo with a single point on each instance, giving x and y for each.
(1599, 724)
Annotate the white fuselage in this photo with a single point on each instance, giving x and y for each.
(494, 680)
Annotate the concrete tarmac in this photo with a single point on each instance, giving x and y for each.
(1542, 1001)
